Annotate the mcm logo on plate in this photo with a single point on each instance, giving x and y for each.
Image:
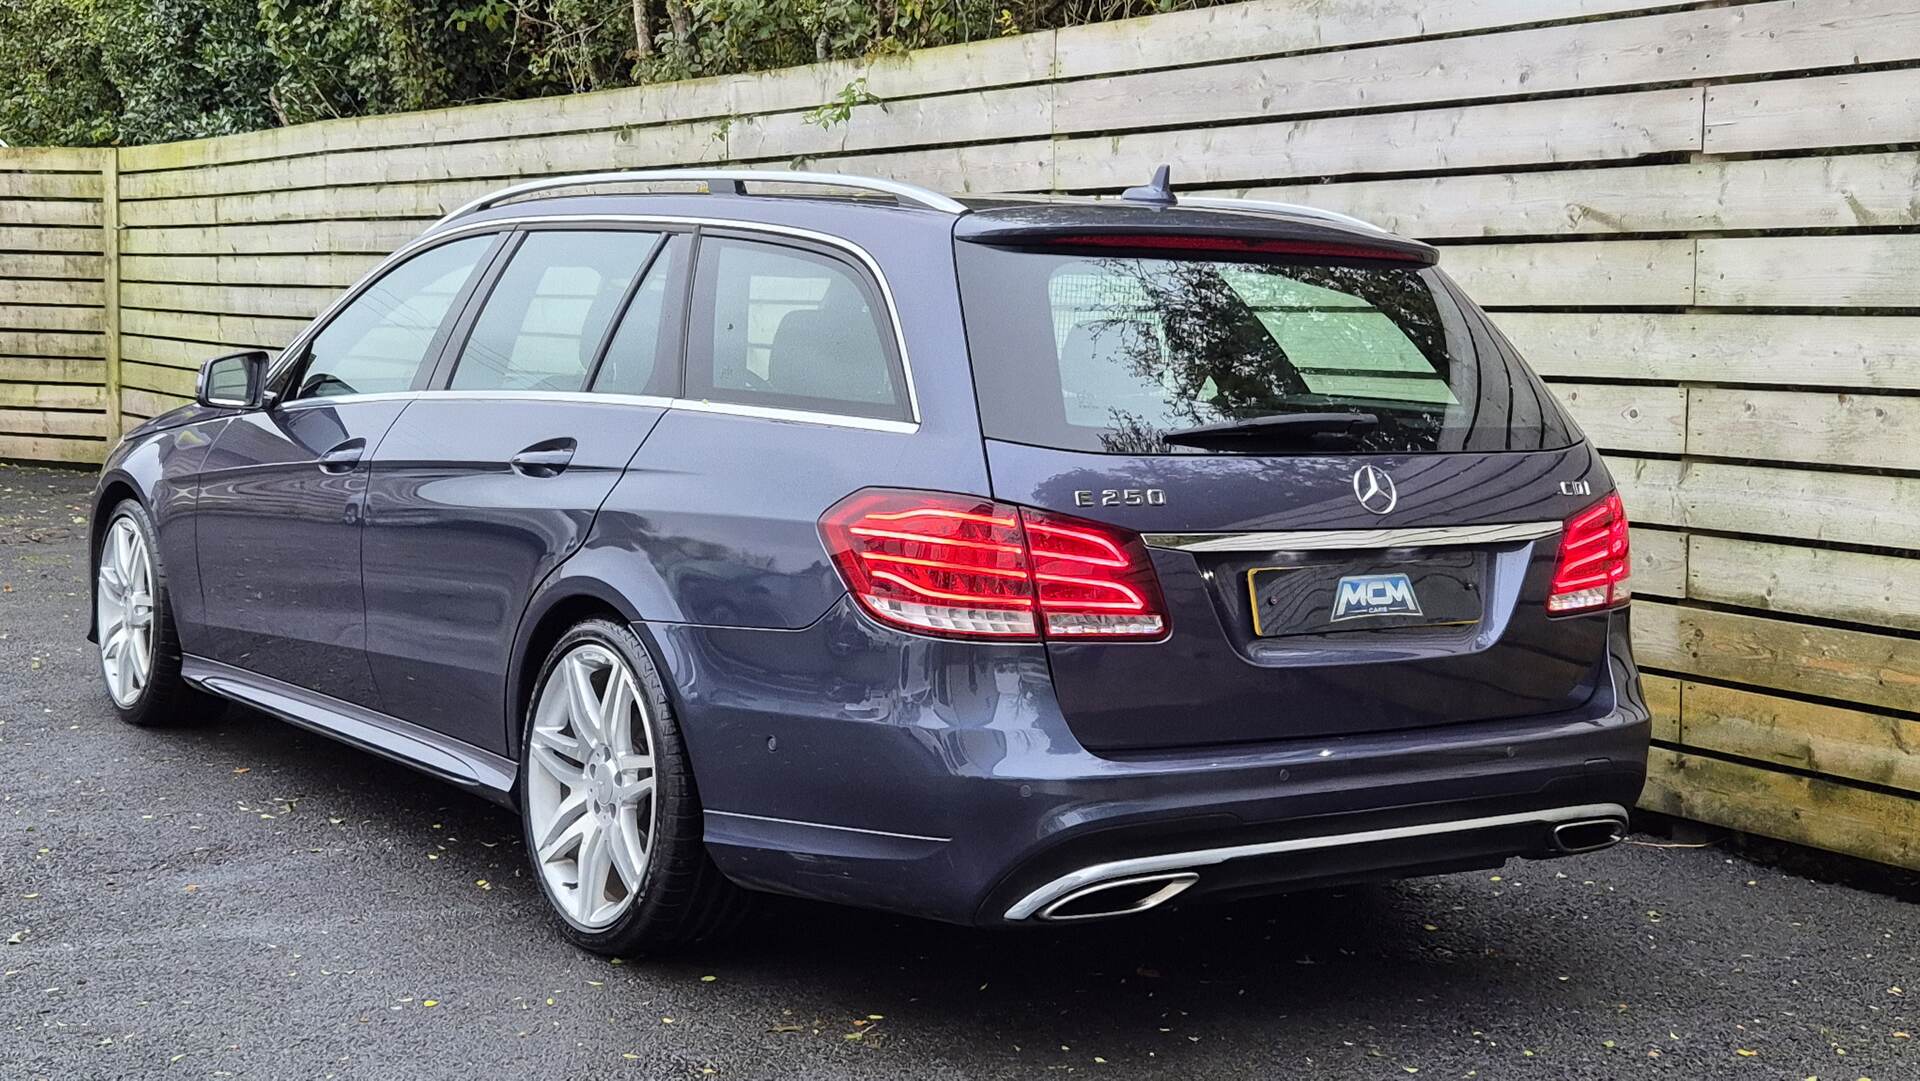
(1375, 490)
(1360, 595)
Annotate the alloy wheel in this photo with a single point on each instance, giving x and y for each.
(590, 785)
(123, 611)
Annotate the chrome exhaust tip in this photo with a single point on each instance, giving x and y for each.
(1119, 897)
(1588, 835)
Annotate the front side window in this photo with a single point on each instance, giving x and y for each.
(546, 317)
(789, 328)
(379, 342)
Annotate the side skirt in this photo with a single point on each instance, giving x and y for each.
(433, 753)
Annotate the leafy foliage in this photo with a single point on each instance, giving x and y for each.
(105, 72)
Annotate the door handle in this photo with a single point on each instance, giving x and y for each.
(342, 457)
(545, 459)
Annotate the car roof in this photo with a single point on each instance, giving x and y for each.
(990, 219)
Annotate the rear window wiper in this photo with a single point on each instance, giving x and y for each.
(1288, 428)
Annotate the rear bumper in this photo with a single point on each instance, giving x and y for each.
(854, 765)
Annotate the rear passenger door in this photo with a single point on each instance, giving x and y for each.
(796, 394)
(488, 480)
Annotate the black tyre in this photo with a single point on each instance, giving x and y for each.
(133, 620)
(608, 806)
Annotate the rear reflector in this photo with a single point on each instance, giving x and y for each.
(1593, 571)
(963, 566)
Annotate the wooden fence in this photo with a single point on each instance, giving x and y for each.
(1700, 220)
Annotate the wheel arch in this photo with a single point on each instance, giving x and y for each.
(562, 601)
(115, 487)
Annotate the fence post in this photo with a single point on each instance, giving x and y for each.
(110, 284)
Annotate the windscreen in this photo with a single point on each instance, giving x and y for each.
(1127, 354)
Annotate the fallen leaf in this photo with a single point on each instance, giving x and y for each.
(430, 1002)
(1744, 1053)
(243, 769)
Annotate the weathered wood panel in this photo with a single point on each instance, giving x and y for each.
(53, 293)
(1808, 811)
(1873, 748)
(1864, 109)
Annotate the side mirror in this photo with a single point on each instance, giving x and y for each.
(235, 381)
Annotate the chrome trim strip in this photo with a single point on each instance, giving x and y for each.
(1208, 857)
(828, 826)
(905, 193)
(292, 348)
(425, 749)
(1219, 202)
(1311, 540)
(791, 416)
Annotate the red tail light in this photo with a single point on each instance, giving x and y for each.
(964, 566)
(1593, 572)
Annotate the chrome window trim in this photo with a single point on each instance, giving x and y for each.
(1309, 540)
(691, 405)
(1207, 857)
(843, 420)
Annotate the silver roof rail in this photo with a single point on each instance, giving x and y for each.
(718, 181)
(1210, 202)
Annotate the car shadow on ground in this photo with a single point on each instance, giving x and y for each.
(1327, 951)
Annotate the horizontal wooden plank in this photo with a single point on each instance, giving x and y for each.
(51, 370)
(1786, 806)
(49, 317)
(1265, 27)
(167, 352)
(47, 290)
(42, 343)
(1871, 430)
(1663, 701)
(79, 187)
(294, 238)
(423, 202)
(56, 159)
(1783, 35)
(45, 448)
(156, 379)
(1845, 743)
(82, 267)
(238, 331)
(988, 167)
(1768, 501)
(74, 212)
(42, 422)
(1865, 351)
(336, 271)
(146, 403)
(1811, 271)
(1574, 274)
(542, 155)
(52, 396)
(1825, 662)
(1474, 136)
(1856, 109)
(285, 301)
(51, 238)
(1021, 112)
(1659, 560)
(1622, 418)
(1859, 587)
(1838, 192)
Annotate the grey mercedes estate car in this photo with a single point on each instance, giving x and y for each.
(996, 560)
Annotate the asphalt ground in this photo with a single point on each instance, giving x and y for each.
(242, 899)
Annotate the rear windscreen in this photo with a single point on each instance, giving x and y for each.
(1113, 353)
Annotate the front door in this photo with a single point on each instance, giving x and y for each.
(480, 490)
(280, 510)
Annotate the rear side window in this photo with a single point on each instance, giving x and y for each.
(1113, 353)
(641, 358)
(379, 341)
(789, 328)
(547, 315)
